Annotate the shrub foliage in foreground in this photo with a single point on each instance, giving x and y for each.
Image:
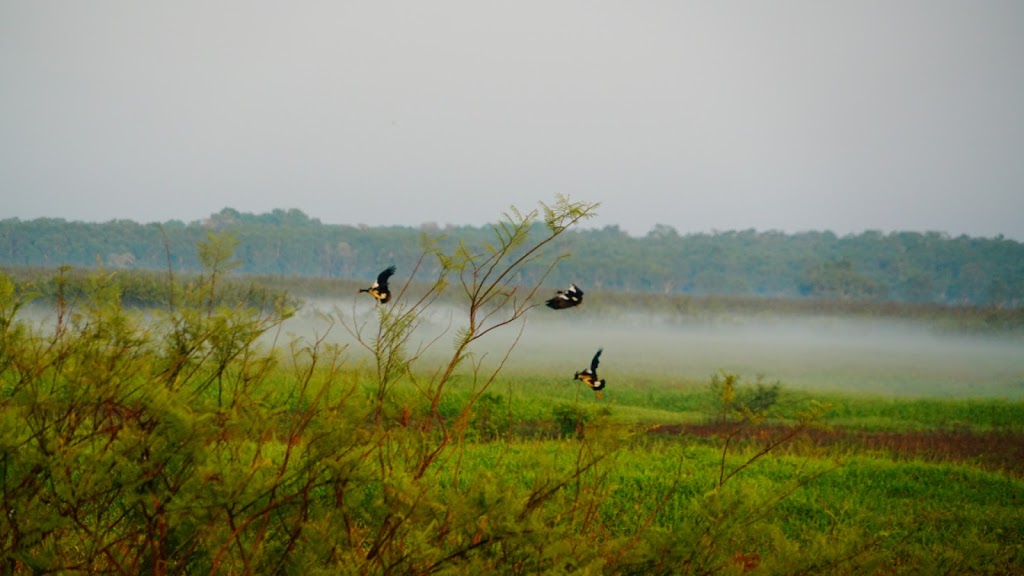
(190, 442)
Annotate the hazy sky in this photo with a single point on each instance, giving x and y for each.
(784, 115)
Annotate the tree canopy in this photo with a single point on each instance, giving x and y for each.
(927, 267)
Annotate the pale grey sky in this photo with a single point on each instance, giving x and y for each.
(773, 115)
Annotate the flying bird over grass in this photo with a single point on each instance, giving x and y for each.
(566, 298)
(589, 375)
(379, 289)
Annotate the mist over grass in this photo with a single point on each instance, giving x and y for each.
(835, 353)
(827, 353)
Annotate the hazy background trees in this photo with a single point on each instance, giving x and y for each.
(927, 267)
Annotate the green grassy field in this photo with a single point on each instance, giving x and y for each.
(236, 435)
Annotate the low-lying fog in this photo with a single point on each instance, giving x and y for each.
(873, 356)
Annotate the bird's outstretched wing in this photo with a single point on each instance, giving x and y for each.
(593, 363)
(382, 278)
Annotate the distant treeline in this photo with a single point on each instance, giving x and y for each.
(913, 267)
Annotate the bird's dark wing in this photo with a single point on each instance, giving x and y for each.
(593, 363)
(382, 278)
(575, 290)
(559, 302)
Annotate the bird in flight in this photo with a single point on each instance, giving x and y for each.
(566, 298)
(379, 289)
(589, 375)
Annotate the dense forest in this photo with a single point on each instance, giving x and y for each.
(928, 267)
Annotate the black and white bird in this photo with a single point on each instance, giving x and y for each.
(379, 289)
(566, 298)
(589, 375)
